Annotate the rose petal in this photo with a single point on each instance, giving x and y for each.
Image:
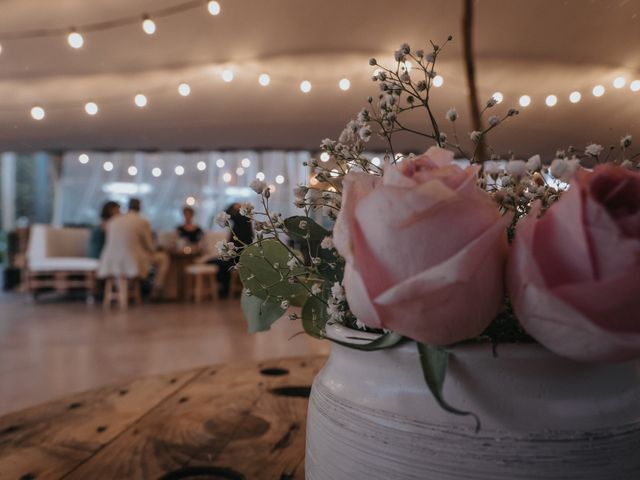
(358, 298)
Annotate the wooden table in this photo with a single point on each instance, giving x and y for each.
(235, 421)
(175, 285)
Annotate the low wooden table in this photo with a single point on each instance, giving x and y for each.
(235, 421)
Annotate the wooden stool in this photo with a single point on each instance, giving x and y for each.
(202, 282)
(235, 284)
(122, 289)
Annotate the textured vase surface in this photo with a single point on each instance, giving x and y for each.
(371, 416)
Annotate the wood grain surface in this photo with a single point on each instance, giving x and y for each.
(236, 421)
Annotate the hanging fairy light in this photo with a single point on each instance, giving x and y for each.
(344, 84)
(132, 171)
(220, 163)
(227, 75)
(619, 82)
(239, 171)
(264, 79)
(438, 81)
(280, 179)
(191, 201)
(213, 7)
(156, 171)
(575, 97)
(524, 101)
(37, 113)
(498, 97)
(148, 25)
(75, 40)
(598, 91)
(246, 163)
(201, 166)
(140, 100)
(83, 158)
(91, 108)
(260, 176)
(226, 178)
(551, 100)
(179, 170)
(184, 89)
(635, 86)
(107, 166)
(305, 86)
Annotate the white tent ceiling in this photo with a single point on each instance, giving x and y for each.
(522, 46)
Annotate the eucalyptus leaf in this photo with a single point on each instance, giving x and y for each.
(259, 313)
(386, 340)
(311, 232)
(314, 317)
(434, 367)
(264, 271)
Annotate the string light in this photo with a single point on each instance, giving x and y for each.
(140, 100)
(107, 166)
(184, 89)
(83, 158)
(191, 201)
(305, 86)
(179, 170)
(524, 101)
(91, 108)
(575, 97)
(37, 113)
(246, 163)
(635, 86)
(313, 181)
(498, 97)
(619, 82)
(260, 176)
(279, 179)
(220, 163)
(202, 166)
(75, 40)
(438, 81)
(376, 161)
(264, 79)
(156, 171)
(272, 188)
(334, 173)
(344, 84)
(0, 49)
(227, 75)
(133, 171)
(551, 100)
(324, 157)
(214, 8)
(226, 178)
(149, 26)
(598, 91)
(239, 171)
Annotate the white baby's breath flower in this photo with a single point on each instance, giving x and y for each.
(292, 263)
(492, 167)
(258, 186)
(534, 163)
(625, 142)
(316, 289)
(593, 149)
(316, 260)
(452, 114)
(491, 102)
(517, 168)
(246, 210)
(327, 243)
(300, 191)
(365, 133)
(337, 292)
(564, 168)
(475, 136)
(284, 304)
(494, 120)
(222, 218)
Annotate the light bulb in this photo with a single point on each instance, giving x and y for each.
(191, 201)
(140, 100)
(279, 179)
(575, 97)
(498, 97)
(156, 171)
(0, 49)
(376, 161)
(75, 40)
(184, 89)
(619, 82)
(264, 79)
(213, 7)
(260, 176)
(438, 81)
(313, 181)
(133, 171)
(551, 100)
(239, 171)
(598, 91)
(524, 100)
(91, 108)
(344, 84)
(246, 163)
(226, 178)
(324, 157)
(220, 163)
(201, 165)
(149, 26)
(107, 166)
(37, 113)
(407, 65)
(227, 75)
(272, 188)
(83, 158)
(334, 173)
(635, 86)
(179, 170)
(305, 86)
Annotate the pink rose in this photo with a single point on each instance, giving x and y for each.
(425, 249)
(574, 275)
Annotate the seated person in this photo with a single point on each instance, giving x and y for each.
(98, 234)
(189, 231)
(130, 250)
(241, 234)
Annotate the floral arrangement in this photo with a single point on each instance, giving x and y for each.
(427, 249)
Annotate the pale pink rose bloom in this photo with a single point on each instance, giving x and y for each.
(425, 249)
(574, 274)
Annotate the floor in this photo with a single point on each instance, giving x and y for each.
(53, 348)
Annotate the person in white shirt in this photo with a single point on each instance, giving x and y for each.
(130, 250)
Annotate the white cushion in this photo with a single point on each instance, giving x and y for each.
(69, 264)
(48, 243)
(200, 268)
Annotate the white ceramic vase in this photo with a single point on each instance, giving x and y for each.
(371, 416)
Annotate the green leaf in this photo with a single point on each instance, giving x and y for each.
(259, 313)
(312, 231)
(434, 367)
(386, 340)
(264, 270)
(314, 317)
